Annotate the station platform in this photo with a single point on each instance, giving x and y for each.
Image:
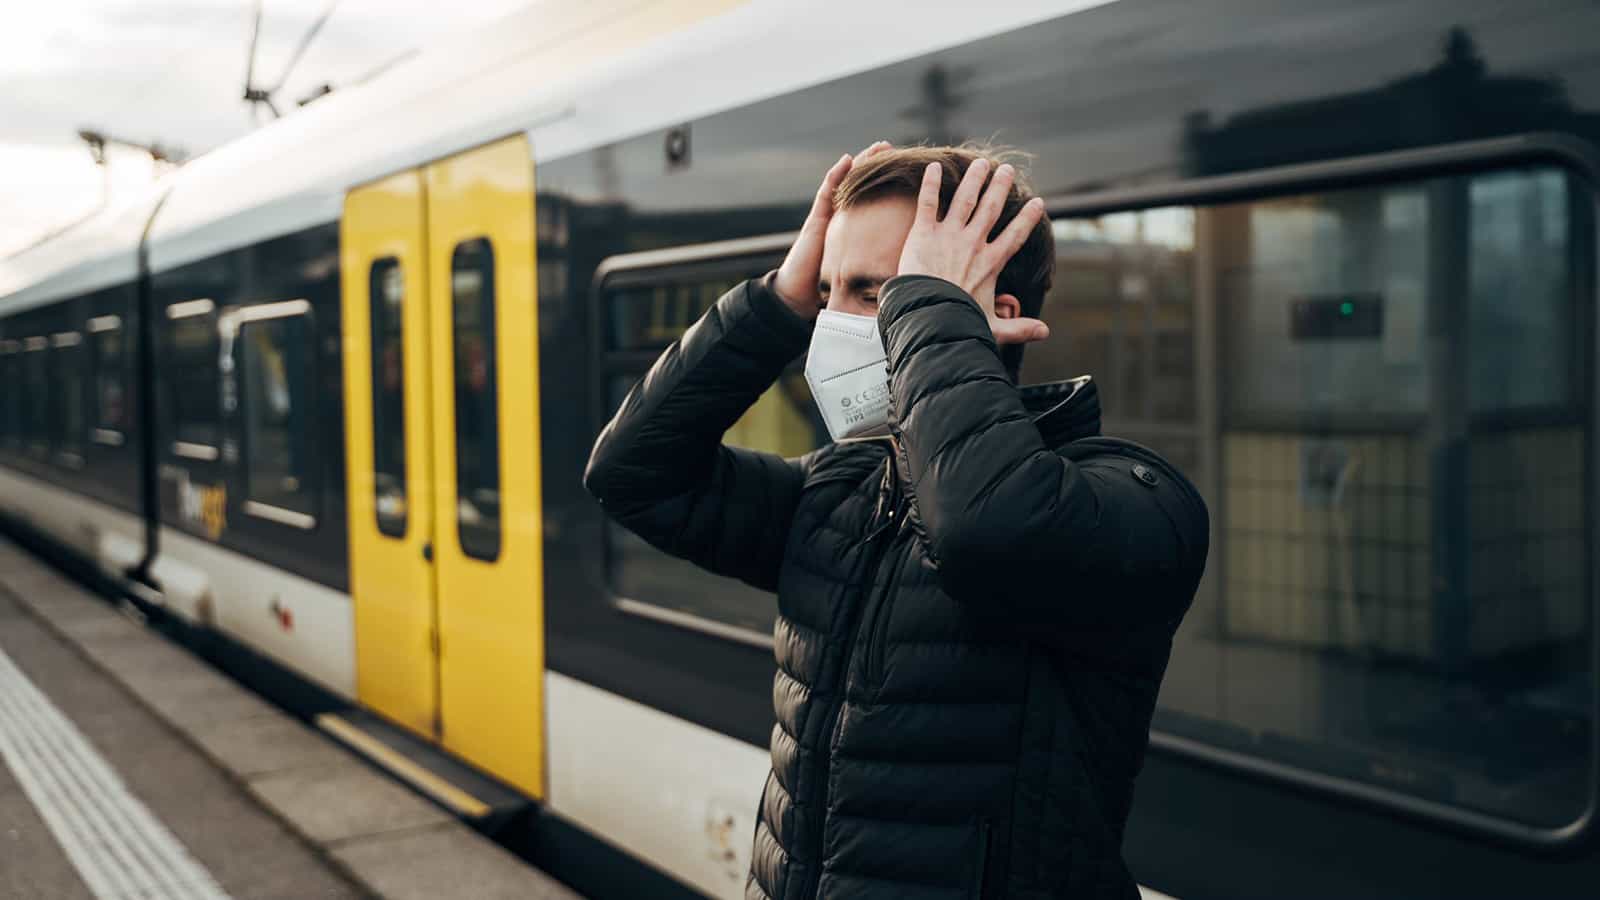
(131, 769)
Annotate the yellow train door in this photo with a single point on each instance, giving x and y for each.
(488, 527)
(388, 444)
(454, 601)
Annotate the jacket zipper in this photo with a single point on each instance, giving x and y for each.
(875, 556)
(981, 868)
(878, 633)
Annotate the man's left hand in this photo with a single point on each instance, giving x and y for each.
(957, 248)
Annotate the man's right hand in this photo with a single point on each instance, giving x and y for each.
(796, 281)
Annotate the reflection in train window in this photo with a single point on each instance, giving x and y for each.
(110, 375)
(67, 385)
(192, 397)
(651, 315)
(386, 292)
(276, 379)
(1379, 393)
(477, 399)
(646, 311)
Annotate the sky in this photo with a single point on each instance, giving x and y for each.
(170, 72)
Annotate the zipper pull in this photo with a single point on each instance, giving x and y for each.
(883, 510)
(884, 484)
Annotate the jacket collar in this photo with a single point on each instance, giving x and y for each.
(1064, 411)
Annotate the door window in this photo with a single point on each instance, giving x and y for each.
(477, 398)
(386, 297)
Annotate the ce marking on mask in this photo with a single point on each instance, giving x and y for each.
(865, 403)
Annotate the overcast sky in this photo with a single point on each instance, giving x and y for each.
(169, 72)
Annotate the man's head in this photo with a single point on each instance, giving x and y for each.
(876, 204)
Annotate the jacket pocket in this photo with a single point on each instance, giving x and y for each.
(980, 865)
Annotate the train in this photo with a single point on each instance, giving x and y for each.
(326, 394)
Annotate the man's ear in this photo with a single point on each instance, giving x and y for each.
(1007, 306)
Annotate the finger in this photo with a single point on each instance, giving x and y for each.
(874, 147)
(1009, 241)
(928, 195)
(822, 204)
(1018, 331)
(993, 202)
(967, 194)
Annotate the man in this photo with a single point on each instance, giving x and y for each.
(976, 609)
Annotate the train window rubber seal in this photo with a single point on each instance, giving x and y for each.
(1574, 156)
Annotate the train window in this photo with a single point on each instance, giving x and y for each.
(37, 414)
(12, 388)
(110, 378)
(646, 310)
(1379, 391)
(194, 408)
(276, 346)
(67, 382)
(477, 399)
(386, 293)
(651, 315)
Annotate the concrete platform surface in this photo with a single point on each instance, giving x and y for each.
(264, 806)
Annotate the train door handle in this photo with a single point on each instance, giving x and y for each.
(427, 550)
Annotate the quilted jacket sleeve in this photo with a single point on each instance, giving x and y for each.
(659, 468)
(1006, 520)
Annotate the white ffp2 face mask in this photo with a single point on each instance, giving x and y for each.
(849, 375)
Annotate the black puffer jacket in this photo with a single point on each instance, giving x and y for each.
(975, 615)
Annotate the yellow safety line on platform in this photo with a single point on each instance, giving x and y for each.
(415, 775)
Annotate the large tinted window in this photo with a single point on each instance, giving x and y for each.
(1380, 393)
(477, 398)
(646, 311)
(386, 297)
(191, 367)
(277, 371)
(109, 398)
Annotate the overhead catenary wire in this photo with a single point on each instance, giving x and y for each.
(255, 95)
(305, 42)
(252, 94)
(250, 61)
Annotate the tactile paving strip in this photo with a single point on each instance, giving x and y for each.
(121, 850)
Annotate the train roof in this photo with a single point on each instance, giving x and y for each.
(98, 252)
(571, 75)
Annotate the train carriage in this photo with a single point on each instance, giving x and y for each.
(326, 394)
